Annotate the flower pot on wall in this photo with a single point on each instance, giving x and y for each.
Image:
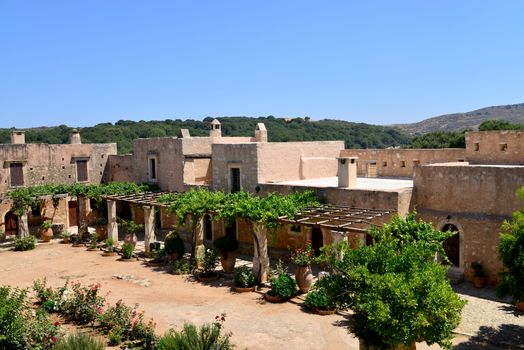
(304, 278)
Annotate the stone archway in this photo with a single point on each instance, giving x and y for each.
(452, 244)
(455, 242)
(11, 224)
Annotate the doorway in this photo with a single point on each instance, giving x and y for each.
(73, 213)
(11, 224)
(371, 169)
(317, 240)
(452, 245)
(208, 228)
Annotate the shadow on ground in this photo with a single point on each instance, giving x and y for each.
(507, 336)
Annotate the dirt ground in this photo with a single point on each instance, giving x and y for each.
(171, 300)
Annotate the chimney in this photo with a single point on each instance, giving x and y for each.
(215, 129)
(17, 137)
(347, 171)
(74, 137)
(260, 133)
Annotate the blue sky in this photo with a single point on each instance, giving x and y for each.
(85, 62)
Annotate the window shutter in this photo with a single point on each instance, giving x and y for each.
(81, 170)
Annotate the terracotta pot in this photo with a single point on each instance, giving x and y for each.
(127, 260)
(520, 306)
(304, 278)
(108, 253)
(273, 298)
(364, 346)
(130, 238)
(325, 312)
(228, 262)
(65, 240)
(208, 278)
(479, 282)
(243, 290)
(46, 235)
(101, 232)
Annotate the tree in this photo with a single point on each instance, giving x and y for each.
(499, 125)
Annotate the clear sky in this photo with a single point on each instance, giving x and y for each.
(84, 62)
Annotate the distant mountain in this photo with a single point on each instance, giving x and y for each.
(468, 120)
(123, 132)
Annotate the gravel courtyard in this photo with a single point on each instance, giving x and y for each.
(255, 324)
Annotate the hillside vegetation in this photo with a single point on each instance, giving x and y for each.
(123, 132)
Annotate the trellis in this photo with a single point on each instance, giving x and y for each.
(143, 198)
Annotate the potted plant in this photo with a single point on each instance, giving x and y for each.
(227, 245)
(157, 257)
(245, 280)
(283, 286)
(76, 240)
(65, 236)
(174, 246)
(109, 247)
(479, 277)
(2, 236)
(209, 264)
(127, 251)
(101, 228)
(183, 266)
(93, 240)
(303, 258)
(319, 301)
(46, 231)
(131, 229)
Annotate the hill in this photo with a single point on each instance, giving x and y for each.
(355, 135)
(468, 120)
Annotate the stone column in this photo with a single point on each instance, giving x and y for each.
(260, 257)
(82, 216)
(149, 226)
(198, 241)
(23, 226)
(337, 237)
(112, 225)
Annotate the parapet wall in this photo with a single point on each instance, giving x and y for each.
(495, 147)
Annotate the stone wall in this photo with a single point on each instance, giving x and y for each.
(474, 198)
(243, 156)
(401, 162)
(44, 163)
(121, 168)
(495, 147)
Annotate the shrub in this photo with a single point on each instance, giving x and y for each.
(174, 244)
(110, 242)
(319, 299)
(283, 286)
(209, 262)
(208, 336)
(183, 266)
(303, 256)
(42, 334)
(116, 317)
(82, 305)
(26, 243)
(127, 250)
(226, 244)
(244, 277)
(12, 321)
(115, 336)
(142, 333)
(93, 240)
(47, 224)
(79, 341)
(130, 226)
(2, 236)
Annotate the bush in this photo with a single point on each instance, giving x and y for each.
(82, 305)
(319, 299)
(115, 336)
(79, 341)
(226, 244)
(283, 286)
(127, 250)
(208, 336)
(183, 266)
(116, 317)
(42, 334)
(141, 333)
(244, 277)
(12, 321)
(174, 244)
(210, 262)
(26, 243)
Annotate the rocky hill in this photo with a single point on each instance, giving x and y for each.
(468, 120)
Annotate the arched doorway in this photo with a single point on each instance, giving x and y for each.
(11, 223)
(317, 240)
(452, 244)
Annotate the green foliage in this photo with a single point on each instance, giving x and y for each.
(511, 251)
(399, 294)
(12, 321)
(440, 139)
(115, 336)
(127, 250)
(499, 125)
(303, 256)
(244, 277)
(283, 286)
(47, 296)
(81, 305)
(130, 226)
(79, 341)
(209, 262)
(225, 244)
(47, 224)
(319, 299)
(109, 242)
(207, 337)
(116, 317)
(42, 334)
(25, 243)
(174, 244)
(183, 266)
(477, 267)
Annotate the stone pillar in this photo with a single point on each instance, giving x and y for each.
(112, 225)
(260, 257)
(337, 237)
(82, 216)
(23, 226)
(198, 241)
(149, 226)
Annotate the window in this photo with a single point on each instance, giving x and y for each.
(416, 162)
(81, 171)
(35, 211)
(17, 174)
(402, 163)
(384, 164)
(152, 169)
(476, 146)
(503, 147)
(235, 179)
(295, 229)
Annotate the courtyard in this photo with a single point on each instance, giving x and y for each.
(255, 324)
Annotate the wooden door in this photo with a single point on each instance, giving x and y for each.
(73, 213)
(317, 240)
(371, 170)
(452, 245)
(11, 224)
